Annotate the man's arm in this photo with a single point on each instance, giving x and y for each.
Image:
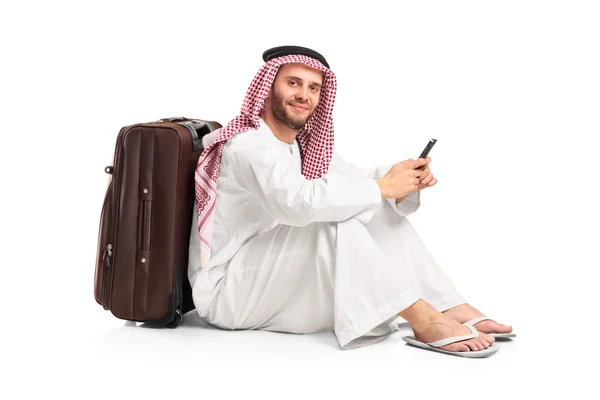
(339, 165)
(265, 170)
(403, 206)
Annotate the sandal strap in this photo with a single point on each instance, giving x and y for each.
(454, 339)
(476, 320)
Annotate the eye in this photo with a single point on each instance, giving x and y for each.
(314, 88)
(293, 83)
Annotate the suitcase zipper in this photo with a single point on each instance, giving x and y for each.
(107, 275)
(106, 257)
(112, 226)
(107, 254)
(103, 240)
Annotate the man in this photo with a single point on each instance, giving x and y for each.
(290, 237)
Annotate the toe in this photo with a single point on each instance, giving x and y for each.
(489, 326)
(500, 328)
(485, 339)
(463, 347)
(472, 345)
(456, 347)
(484, 342)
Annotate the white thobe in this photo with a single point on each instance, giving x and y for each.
(302, 256)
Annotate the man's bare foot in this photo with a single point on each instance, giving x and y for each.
(444, 327)
(429, 325)
(465, 312)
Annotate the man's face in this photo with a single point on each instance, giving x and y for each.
(295, 94)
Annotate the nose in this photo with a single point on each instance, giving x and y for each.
(302, 93)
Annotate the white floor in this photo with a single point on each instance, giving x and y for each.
(95, 355)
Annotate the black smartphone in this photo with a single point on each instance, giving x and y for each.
(427, 148)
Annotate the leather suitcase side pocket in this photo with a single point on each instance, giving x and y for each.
(100, 274)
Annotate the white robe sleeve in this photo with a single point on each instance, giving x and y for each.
(408, 206)
(268, 174)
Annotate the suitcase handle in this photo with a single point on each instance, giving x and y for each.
(172, 119)
(198, 129)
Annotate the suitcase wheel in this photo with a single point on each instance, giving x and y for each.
(176, 321)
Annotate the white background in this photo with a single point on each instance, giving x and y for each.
(510, 89)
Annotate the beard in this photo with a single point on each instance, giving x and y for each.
(282, 116)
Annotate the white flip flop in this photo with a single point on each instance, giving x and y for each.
(435, 346)
(494, 335)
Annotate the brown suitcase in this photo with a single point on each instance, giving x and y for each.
(143, 239)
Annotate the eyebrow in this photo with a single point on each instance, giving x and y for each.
(302, 80)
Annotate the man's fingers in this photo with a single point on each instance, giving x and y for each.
(419, 173)
(425, 173)
(418, 163)
(427, 179)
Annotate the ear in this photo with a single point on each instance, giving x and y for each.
(267, 102)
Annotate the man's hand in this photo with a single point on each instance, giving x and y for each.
(402, 179)
(426, 179)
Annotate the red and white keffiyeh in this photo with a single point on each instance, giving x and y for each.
(315, 140)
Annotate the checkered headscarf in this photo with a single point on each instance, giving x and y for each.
(315, 139)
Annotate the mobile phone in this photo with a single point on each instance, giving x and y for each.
(427, 148)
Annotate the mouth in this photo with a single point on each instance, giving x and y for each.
(299, 108)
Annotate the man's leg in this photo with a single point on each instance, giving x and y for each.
(373, 285)
(403, 247)
(309, 279)
(397, 238)
(280, 280)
